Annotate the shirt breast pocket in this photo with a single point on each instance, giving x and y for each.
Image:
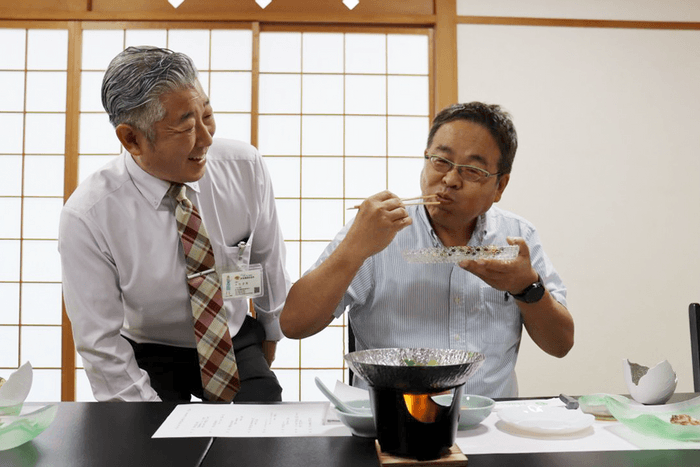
(500, 318)
(234, 258)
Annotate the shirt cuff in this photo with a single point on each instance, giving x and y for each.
(271, 324)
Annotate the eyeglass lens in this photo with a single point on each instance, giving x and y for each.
(467, 173)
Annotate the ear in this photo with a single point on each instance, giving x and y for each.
(131, 138)
(502, 183)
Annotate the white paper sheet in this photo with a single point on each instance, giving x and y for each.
(248, 420)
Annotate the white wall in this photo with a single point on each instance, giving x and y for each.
(608, 170)
(631, 10)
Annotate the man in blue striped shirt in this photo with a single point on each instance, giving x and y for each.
(476, 305)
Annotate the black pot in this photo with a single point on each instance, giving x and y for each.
(414, 425)
(402, 382)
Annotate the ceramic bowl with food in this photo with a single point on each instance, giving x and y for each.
(473, 409)
(359, 425)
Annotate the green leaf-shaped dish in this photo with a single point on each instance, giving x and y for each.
(17, 430)
(651, 420)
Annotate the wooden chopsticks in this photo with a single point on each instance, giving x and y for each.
(418, 203)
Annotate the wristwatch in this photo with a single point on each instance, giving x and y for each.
(532, 293)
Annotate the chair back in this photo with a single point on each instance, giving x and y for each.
(694, 314)
(351, 348)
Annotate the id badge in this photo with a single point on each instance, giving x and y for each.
(246, 283)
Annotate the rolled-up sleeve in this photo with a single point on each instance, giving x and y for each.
(544, 267)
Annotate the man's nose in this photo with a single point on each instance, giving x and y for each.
(205, 134)
(452, 177)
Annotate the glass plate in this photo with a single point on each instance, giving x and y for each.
(546, 420)
(455, 254)
(651, 420)
(17, 430)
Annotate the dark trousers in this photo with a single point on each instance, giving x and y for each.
(175, 374)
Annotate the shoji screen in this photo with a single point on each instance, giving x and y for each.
(33, 68)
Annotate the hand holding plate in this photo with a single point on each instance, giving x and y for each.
(511, 276)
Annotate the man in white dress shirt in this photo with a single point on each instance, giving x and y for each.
(124, 271)
(477, 305)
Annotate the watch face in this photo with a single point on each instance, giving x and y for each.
(532, 293)
(535, 294)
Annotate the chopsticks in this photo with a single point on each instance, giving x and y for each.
(419, 203)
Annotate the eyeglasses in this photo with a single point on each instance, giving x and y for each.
(469, 173)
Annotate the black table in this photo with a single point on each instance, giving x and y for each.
(106, 434)
(360, 452)
(98, 434)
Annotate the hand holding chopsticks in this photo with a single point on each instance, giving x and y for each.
(379, 218)
(418, 203)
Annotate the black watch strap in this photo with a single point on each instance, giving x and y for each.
(532, 293)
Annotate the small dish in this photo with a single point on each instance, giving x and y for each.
(589, 404)
(339, 404)
(650, 420)
(19, 429)
(360, 406)
(456, 254)
(546, 420)
(359, 425)
(473, 409)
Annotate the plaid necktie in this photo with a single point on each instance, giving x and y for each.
(216, 359)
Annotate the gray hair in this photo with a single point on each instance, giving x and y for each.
(135, 80)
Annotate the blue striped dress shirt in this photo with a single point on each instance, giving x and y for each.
(392, 303)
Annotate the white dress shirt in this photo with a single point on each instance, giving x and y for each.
(124, 268)
(392, 303)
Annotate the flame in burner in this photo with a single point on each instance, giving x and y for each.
(422, 407)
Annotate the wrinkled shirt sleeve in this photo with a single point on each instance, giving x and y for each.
(94, 307)
(269, 251)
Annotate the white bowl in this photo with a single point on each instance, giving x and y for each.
(650, 385)
(473, 409)
(359, 425)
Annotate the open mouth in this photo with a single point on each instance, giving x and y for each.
(202, 157)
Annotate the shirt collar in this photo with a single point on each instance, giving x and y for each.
(480, 229)
(422, 216)
(153, 189)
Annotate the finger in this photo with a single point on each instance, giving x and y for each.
(405, 222)
(392, 203)
(471, 265)
(488, 269)
(376, 200)
(384, 196)
(479, 269)
(523, 249)
(397, 214)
